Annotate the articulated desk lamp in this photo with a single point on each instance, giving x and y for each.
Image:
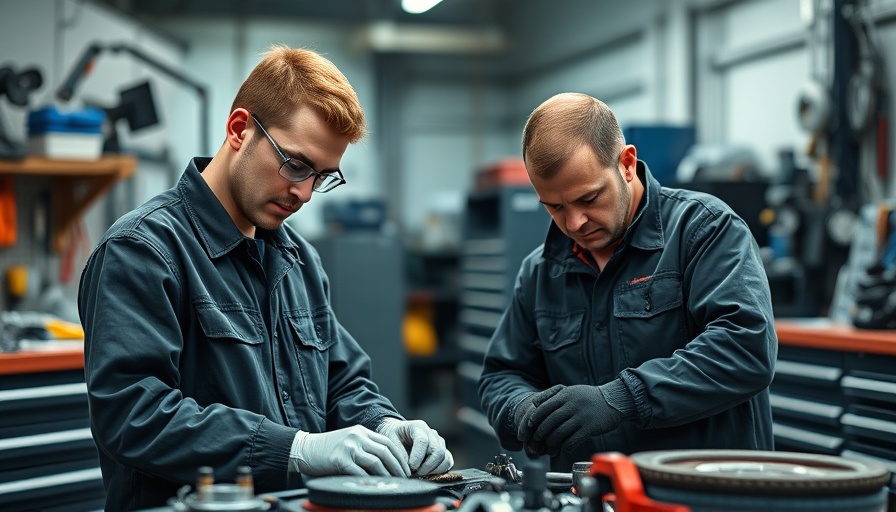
(136, 102)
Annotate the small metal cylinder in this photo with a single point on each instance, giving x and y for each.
(205, 479)
(579, 470)
(244, 480)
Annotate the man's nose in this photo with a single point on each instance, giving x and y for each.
(303, 190)
(575, 219)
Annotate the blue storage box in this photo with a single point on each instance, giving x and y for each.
(69, 134)
(354, 215)
(661, 147)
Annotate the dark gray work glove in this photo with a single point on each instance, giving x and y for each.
(523, 410)
(566, 416)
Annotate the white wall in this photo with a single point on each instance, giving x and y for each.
(451, 129)
(752, 101)
(51, 36)
(633, 58)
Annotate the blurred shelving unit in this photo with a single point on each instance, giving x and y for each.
(503, 224)
(430, 336)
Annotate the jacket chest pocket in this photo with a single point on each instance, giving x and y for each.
(230, 322)
(649, 318)
(560, 338)
(232, 342)
(314, 332)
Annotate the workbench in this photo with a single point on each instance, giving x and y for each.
(822, 333)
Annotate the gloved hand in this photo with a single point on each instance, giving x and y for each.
(349, 451)
(563, 417)
(426, 452)
(523, 410)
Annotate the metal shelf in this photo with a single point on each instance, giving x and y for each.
(76, 185)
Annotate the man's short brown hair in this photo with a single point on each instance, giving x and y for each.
(562, 124)
(289, 77)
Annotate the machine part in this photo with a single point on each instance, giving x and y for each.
(813, 107)
(770, 472)
(209, 496)
(443, 477)
(18, 85)
(504, 467)
(535, 486)
(218, 497)
(719, 162)
(463, 482)
(865, 85)
(580, 470)
(370, 493)
(862, 96)
(755, 480)
(628, 489)
(841, 225)
(487, 502)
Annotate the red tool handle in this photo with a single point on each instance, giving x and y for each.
(627, 486)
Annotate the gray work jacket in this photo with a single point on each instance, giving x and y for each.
(201, 350)
(681, 315)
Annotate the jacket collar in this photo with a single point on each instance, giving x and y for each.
(207, 215)
(645, 232)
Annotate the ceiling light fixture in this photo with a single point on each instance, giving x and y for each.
(418, 6)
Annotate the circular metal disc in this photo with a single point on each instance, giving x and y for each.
(781, 473)
(371, 492)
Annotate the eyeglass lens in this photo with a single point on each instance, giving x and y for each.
(295, 170)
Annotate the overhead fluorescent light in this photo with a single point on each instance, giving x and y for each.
(389, 37)
(418, 6)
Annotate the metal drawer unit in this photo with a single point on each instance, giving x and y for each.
(870, 420)
(501, 227)
(806, 401)
(48, 460)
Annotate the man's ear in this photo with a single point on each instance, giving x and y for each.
(629, 161)
(237, 125)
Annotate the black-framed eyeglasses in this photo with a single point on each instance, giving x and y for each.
(297, 170)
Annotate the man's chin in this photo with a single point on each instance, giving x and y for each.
(593, 242)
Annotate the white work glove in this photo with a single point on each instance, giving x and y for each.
(426, 451)
(349, 451)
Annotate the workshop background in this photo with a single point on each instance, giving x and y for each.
(782, 108)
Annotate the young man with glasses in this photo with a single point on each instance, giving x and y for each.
(209, 338)
(644, 321)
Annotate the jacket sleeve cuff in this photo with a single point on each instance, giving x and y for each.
(514, 403)
(642, 414)
(271, 447)
(619, 397)
(376, 416)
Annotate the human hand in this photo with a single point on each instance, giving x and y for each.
(349, 451)
(426, 452)
(563, 417)
(520, 419)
